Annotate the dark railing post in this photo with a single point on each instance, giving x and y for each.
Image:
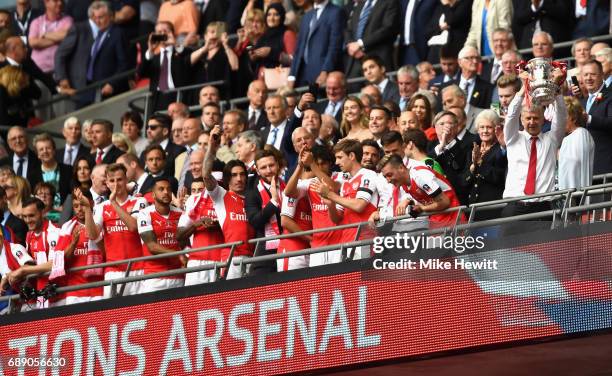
(127, 274)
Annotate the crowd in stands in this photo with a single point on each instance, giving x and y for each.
(341, 152)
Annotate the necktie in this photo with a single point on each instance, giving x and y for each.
(330, 110)
(253, 120)
(163, 72)
(20, 166)
(583, 3)
(466, 87)
(135, 188)
(403, 104)
(531, 171)
(590, 102)
(274, 135)
(311, 26)
(363, 19)
(94, 52)
(494, 73)
(99, 157)
(68, 156)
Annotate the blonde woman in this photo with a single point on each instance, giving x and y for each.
(17, 189)
(354, 125)
(15, 94)
(488, 15)
(577, 152)
(212, 60)
(123, 143)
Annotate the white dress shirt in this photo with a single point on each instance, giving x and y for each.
(409, 10)
(518, 146)
(104, 152)
(383, 85)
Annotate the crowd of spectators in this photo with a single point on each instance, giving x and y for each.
(418, 141)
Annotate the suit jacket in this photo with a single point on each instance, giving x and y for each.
(110, 157)
(30, 67)
(378, 36)
(601, 130)
(172, 151)
(556, 17)
(499, 14)
(34, 174)
(596, 21)
(73, 55)
(286, 144)
(83, 151)
(422, 12)
(215, 11)
(391, 92)
(458, 19)
(453, 163)
(180, 69)
(19, 227)
(324, 44)
(481, 95)
(321, 106)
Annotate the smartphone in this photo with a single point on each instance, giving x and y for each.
(249, 47)
(157, 38)
(575, 80)
(313, 88)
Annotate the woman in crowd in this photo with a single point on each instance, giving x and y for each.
(15, 96)
(215, 59)
(486, 176)
(54, 173)
(81, 175)
(131, 125)
(17, 189)
(46, 193)
(488, 15)
(577, 151)
(354, 123)
(123, 143)
(421, 107)
(277, 44)
(248, 36)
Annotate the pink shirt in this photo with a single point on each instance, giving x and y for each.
(45, 58)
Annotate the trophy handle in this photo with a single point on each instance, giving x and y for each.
(522, 65)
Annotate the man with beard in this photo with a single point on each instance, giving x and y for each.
(157, 226)
(229, 205)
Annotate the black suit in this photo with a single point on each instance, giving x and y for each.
(601, 130)
(215, 11)
(556, 17)
(379, 33)
(83, 151)
(74, 53)
(458, 17)
(172, 151)
(321, 106)
(391, 92)
(286, 144)
(110, 157)
(30, 67)
(18, 227)
(258, 218)
(33, 174)
(453, 163)
(481, 94)
(180, 70)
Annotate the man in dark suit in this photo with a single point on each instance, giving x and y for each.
(17, 55)
(159, 127)
(165, 65)
(449, 67)
(101, 140)
(22, 17)
(592, 20)
(371, 30)
(210, 11)
(90, 55)
(556, 17)
(598, 106)
(21, 159)
(335, 91)
(278, 132)
(319, 44)
(74, 147)
(478, 91)
(262, 204)
(257, 93)
(17, 226)
(414, 17)
(375, 73)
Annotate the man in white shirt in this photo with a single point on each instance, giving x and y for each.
(532, 154)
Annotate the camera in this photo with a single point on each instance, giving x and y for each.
(158, 38)
(313, 88)
(29, 292)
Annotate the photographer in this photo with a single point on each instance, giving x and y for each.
(167, 65)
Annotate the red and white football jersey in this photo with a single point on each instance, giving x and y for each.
(119, 242)
(299, 210)
(12, 256)
(164, 227)
(40, 244)
(364, 186)
(320, 212)
(233, 220)
(198, 206)
(425, 184)
(79, 258)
